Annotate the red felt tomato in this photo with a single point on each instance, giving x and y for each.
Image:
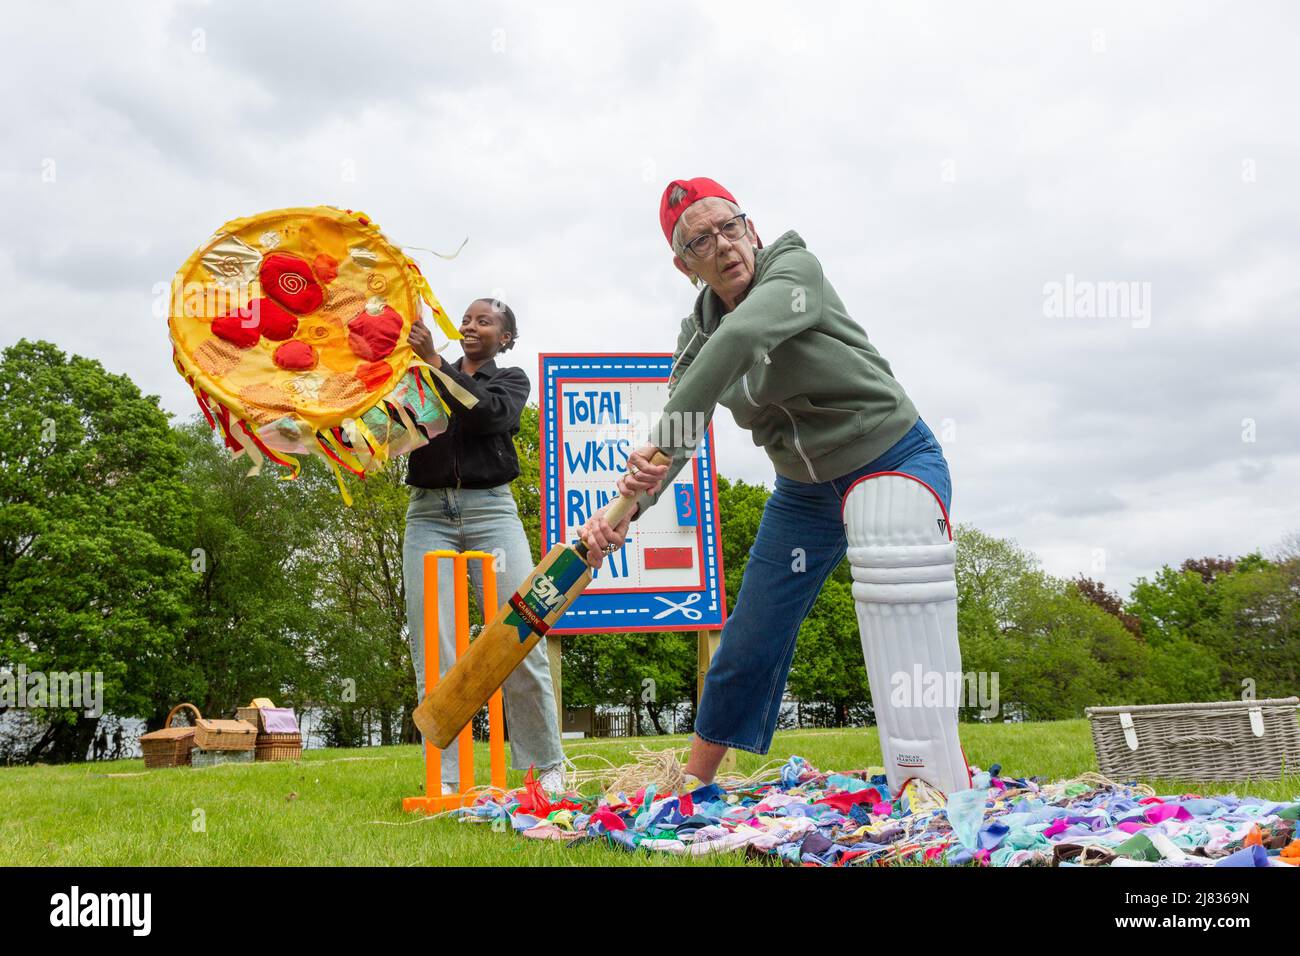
(374, 337)
(374, 374)
(238, 330)
(326, 268)
(288, 280)
(295, 356)
(275, 323)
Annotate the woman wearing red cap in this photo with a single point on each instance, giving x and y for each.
(857, 473)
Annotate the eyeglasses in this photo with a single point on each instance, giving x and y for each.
(701, 247)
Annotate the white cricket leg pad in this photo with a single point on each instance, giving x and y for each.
(903, 559)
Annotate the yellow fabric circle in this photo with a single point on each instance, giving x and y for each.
(292, 328)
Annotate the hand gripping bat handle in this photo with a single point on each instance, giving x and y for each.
(623, 505)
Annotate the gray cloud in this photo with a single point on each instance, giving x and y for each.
(944, 162)
(1095, 501)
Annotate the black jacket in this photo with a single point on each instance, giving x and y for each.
(477, 450)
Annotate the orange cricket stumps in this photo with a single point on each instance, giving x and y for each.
(433, 801)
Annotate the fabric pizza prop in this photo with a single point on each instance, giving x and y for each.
(291, 328)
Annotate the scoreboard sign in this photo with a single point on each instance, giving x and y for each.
(595, 411)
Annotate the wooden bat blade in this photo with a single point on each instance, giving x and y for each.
(502, 645)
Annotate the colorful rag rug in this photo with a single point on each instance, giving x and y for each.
(808, 817)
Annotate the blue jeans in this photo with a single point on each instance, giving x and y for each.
(479, 519)
(800, 542)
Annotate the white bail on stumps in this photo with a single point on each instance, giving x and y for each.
(903, 560)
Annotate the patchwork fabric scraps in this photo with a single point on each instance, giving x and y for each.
(805, 817)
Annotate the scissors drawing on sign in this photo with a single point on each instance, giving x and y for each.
(690, 613)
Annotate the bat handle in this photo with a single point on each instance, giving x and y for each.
(623, 505)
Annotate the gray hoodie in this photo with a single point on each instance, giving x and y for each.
(794, 369)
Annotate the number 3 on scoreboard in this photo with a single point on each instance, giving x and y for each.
(684, 495)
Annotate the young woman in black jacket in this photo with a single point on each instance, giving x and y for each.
(461, 501)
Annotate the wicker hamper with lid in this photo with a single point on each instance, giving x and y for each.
(271, 747)
(168, 747)
(253, 712)
(1221, 740)
(279, 737)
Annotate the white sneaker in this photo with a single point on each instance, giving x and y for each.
(552, 779)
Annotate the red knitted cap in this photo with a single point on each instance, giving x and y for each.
(701, 187)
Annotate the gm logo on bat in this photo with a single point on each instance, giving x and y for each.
(546, 591)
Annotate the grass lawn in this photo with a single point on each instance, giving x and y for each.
(338, 806)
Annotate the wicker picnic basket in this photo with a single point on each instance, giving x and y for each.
(272, 747)
(1221, 740)
(170, 746)
(253, 712)
(221, 734)
(274, 740)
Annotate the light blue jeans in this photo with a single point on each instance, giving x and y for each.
(479, 519)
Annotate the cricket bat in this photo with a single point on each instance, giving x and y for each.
(520, 623)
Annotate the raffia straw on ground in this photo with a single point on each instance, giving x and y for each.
(663, 768)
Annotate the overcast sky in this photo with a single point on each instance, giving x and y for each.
(966, 177)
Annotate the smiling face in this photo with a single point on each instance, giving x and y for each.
(483, 328)
(729, 269)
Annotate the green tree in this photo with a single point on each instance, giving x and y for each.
(362, 645)
(1062, 653)
(1175, 603)
(527, 487)
(1175, 610)
(990, 574)
(645, 670)
(1097, 593)
(1053, 648)
(254, 616)
(1225, 626)
(93, 517)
